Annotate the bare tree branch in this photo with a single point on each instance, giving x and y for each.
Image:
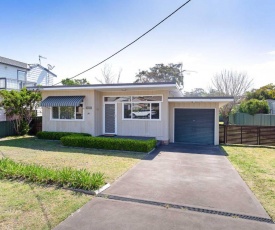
(108, 77)
(230, 83)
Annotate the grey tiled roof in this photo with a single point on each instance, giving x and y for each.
(11, 62)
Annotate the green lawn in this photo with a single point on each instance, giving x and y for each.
(29, 206)
(256, 166)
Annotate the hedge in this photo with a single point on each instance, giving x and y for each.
(57, 135)
(66, 177)
(109, 143)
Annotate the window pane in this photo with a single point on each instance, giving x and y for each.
(55, 112)
(21, 76)
(117, 99)
(155, 110)
(146, 98)
(67, 112)
(2, 83)
(141, 111)
(127, 110)
(79, 112)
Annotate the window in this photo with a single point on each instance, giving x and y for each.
(21, 75)
(68, 112)
(116, 99)
(142, 107)
(2, 83)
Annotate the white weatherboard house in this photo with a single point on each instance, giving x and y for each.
(14, 75)
(137, 109)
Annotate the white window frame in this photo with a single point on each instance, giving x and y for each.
(58, 119)
(145, 102)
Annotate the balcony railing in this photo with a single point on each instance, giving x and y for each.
(9, 84)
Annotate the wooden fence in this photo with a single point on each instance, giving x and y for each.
(250, 135)
(7, 127)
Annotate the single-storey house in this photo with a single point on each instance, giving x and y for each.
(136, 109)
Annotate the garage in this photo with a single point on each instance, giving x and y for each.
(194, 126)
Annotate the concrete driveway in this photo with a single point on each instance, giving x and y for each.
(176, 187)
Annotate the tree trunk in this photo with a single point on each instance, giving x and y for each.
(226, 120)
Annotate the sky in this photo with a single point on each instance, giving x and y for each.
(207, 36)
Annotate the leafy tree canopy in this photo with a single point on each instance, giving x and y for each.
(263, 93)
(254, 106)
(20, 106)
(197, 92)
(162, 73)
(68, 81)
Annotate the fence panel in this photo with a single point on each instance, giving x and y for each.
(35, 125)
(7, 129)
(250, 135)
(257, 119)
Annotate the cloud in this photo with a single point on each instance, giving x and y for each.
(271, 52)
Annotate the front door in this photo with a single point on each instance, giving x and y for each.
(110, 118)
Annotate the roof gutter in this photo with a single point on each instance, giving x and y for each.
(102, 87)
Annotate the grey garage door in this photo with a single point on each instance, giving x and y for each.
(194, 126)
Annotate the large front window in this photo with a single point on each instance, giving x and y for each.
(68, 112)
(142, 107)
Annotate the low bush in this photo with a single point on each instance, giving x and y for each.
(109, 143)
(57, 135)
(66, 177)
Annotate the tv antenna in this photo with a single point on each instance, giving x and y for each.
(50, 67)
(40, 58)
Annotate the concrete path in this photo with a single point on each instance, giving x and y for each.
(191, 176)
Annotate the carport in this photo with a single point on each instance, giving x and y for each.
(195, 120)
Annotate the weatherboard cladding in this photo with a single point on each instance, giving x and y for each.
(52, 101)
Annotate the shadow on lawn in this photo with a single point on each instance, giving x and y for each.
(55, 146)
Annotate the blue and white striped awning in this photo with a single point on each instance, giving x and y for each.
(53, 101)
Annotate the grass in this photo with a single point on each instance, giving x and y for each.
(29, 206)
(256, 166)
(66, 177)
(52, 154)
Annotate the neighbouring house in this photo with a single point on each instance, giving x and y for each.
(271, 104)
(136, 109)
(14, 75)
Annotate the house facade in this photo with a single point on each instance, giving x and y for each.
(139, 109)
(14, 75)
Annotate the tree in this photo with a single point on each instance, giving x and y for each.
(162, 73)
(197, 92)
(230, 83)
(263, 93)
(254, 106)
(21, 106)
(108, 76)
(68, 81)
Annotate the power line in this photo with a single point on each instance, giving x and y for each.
(131, 42)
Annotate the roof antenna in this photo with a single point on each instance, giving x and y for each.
(50, 67)
(40, 58)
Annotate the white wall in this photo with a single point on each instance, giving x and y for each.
(40, 76)
(10, 72)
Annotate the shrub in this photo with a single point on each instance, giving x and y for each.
(254, 106)
(57, 135)
(66, 177)
(109, 143)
